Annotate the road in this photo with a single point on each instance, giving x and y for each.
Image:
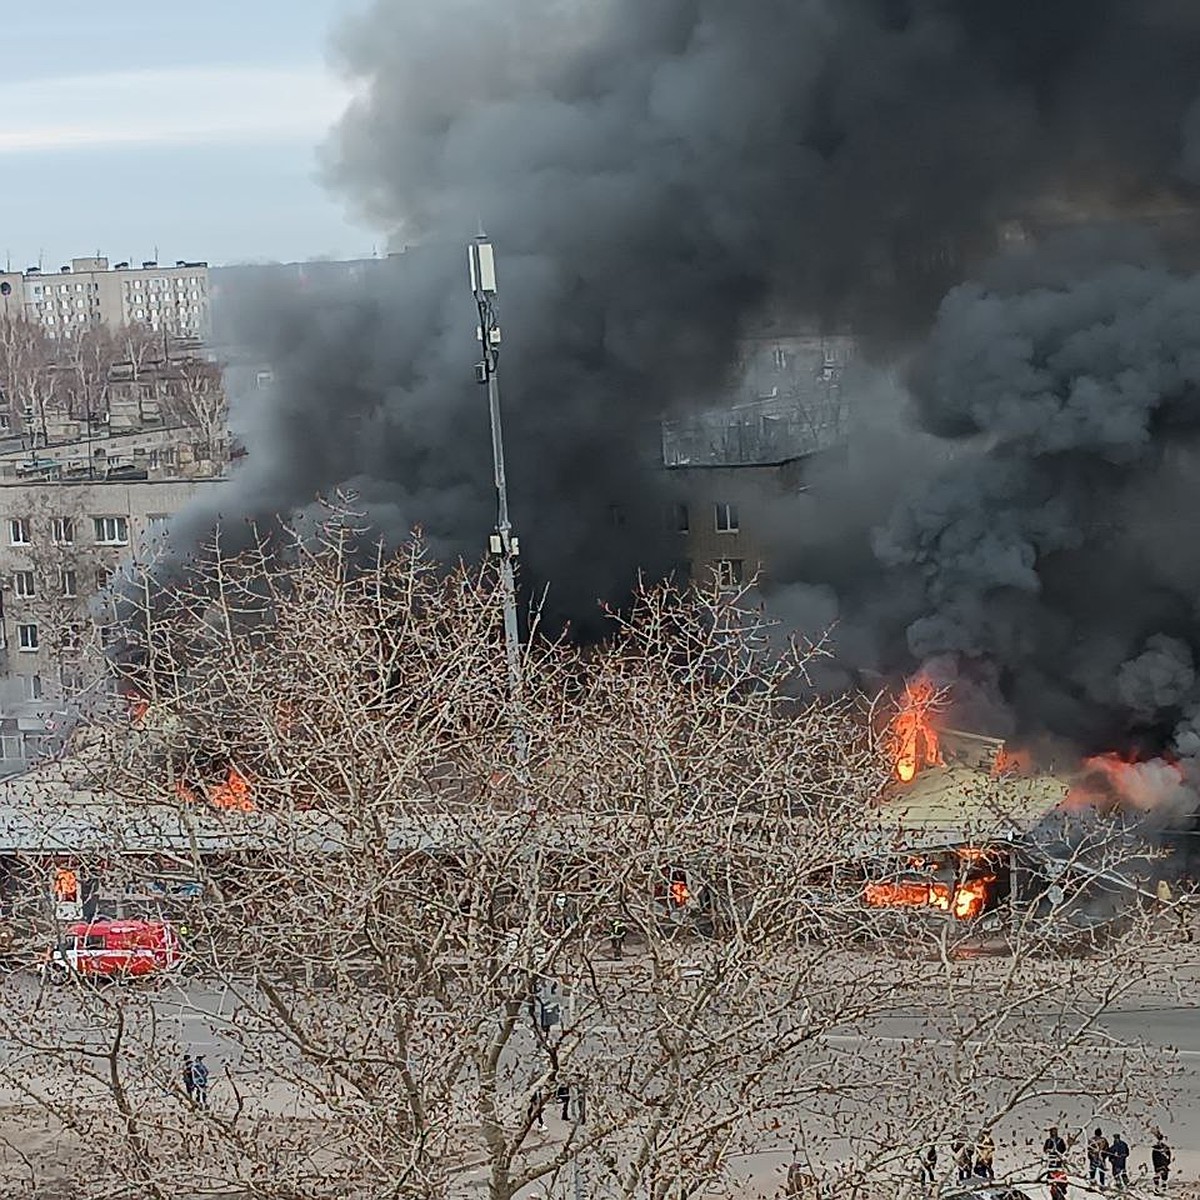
(195, 1018)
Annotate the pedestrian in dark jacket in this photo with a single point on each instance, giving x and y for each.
(200, 1080)
(1055, 1150)
(1118, 1160)
(929, 1165)
(189, 1077)
(964, 1159)
(1160, 1161)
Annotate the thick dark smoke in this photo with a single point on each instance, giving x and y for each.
(659, 176)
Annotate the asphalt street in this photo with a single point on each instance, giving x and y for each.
(192, 1017)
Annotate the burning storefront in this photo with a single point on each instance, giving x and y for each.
(971, 829)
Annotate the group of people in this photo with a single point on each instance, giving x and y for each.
(195, 1079)
(1106, 1157)
(970, 1161)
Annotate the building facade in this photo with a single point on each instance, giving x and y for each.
(169, 299)
(61, 544)
(736, 471)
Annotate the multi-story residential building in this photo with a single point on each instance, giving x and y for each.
(171, 299)
(61, 544)
(102, 440)
(736, 468)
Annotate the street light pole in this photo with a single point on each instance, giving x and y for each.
(503, 542)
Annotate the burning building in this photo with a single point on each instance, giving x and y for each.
(970, 828)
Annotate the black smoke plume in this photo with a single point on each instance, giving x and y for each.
(658, 179)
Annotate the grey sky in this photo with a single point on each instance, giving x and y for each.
(191, 129)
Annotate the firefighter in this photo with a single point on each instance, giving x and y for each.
(1160, 1160)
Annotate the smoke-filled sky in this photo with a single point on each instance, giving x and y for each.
(657, 178)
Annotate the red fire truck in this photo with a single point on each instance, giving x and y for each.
(116, 949)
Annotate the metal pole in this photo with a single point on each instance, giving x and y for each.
(504, 543)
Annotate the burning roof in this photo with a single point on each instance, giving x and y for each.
(951, 786)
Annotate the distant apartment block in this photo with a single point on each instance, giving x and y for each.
(89, 292)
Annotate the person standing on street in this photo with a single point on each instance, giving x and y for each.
(616, 937)
(1118, 1160)
(1055, 1150)
(564, 1098)
(1097, 1156)
(929, 1165)
(200, 1080)
(1160, 1161)
(189, 1078)
(985, 1156)
(537, 1109)
(963, 1158)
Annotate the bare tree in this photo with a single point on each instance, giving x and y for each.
(636, 961)
(195, 396)
(31, 385)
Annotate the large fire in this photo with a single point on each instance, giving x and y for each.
(966, 900)
(233, 793)
(912, 737)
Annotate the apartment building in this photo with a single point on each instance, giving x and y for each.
(61, 544)
(169, 299)
(737, 471)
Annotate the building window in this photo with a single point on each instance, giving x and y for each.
(33, 686)
(18, 531)
(27, 637)
(616, 516)
(157, 523)
(727, 518)
(62, 530)
(729, 572)
(24, 584)
(677, 518)
(103, 578)
(69, 582)
(5, 422)
(111, 531)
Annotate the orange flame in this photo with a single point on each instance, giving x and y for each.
(233, 794)
(66, 884)
(914, 741)
(966, 900)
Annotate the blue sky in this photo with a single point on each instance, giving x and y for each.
(188, 128)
